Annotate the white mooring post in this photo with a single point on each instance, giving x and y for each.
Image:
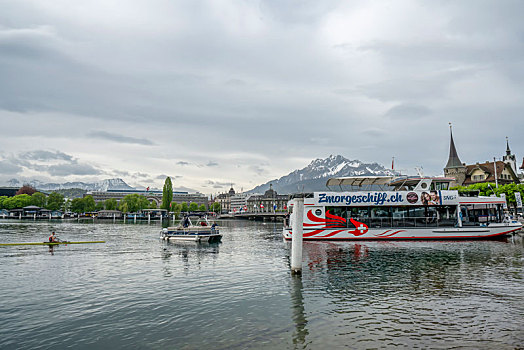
(134, 221)
(148, 218)
(296, 237)
(34, 216)
(114, 218)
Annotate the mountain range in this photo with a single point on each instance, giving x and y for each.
(104, 185)
(311, 178)
(314, 176)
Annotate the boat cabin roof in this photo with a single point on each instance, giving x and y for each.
(359, 181)
(392, 182)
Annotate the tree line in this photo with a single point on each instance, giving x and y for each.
(488, 189)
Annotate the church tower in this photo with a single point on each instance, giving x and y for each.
(509, 158)
(454, 168)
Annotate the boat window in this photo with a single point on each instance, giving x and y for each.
(481, 214)
(358, 213)
(447, 215)
(337, 211)
(380, 217)
(380, 212)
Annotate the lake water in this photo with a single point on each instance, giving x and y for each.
(138, 292)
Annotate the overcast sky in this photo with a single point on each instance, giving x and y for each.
(219, 92)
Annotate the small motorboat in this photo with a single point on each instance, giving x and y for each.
(198, 230)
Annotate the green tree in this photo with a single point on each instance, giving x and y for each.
(167, 193)
(2, 199)
(131, 201)
(110, 204)
(99, 206)
(18, 201)
(38, 199)
(78, 205)
(153, 205)
(55, 201)
(216, 207)
(193, 206)
(123, 207)
(183, 207)
(143, 202)
(202, 207)
(89, 203)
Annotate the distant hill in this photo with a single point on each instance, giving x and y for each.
(72, 192)
(77, 189)
(314, 176)
(104, 185)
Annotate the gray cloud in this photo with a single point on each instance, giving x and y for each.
(43, 155)
(119, 138)
(8, 168)
(212, 163)
(408, 112)
(257, 169)
(62, 76)
(217, 184)
(71, 169)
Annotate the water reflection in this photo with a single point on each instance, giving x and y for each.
(298, 312)
(429, 266)
(191, 255)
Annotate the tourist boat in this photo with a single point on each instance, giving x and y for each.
(390, 208)
(198, 230)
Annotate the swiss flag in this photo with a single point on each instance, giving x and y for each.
(262, 206)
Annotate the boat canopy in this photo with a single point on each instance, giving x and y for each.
(360, 181)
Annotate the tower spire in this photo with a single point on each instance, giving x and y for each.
(508, 151)
(454, 160)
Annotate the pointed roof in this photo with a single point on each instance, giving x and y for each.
(454, 160)
(508, 151)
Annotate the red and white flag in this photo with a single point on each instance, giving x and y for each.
(262, 206)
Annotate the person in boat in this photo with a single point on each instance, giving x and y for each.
(52, 238)
(185, 222)
(203, 223)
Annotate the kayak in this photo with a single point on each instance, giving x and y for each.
(50, 243)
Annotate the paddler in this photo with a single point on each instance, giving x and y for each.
(52, 238)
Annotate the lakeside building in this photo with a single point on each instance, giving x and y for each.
(156, 196)
(225, 200)
(8, 191)
(239, 202)
(502, 171)
(268, 202)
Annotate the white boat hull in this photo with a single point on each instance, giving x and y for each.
(473, 232)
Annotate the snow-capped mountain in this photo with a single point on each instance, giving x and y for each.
(104, 185)
(314, 176)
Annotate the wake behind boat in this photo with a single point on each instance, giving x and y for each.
(402, 208)
(194, 227)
